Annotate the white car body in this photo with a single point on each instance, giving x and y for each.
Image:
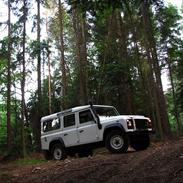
(87, 132)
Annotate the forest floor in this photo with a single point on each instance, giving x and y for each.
(162, 162)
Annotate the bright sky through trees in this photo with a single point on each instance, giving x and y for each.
(3, 29)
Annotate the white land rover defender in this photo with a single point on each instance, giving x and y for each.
(81, 129)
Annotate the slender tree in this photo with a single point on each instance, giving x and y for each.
(38, 75)
(156, 68)
(9, 129)
(23, 108)
(79, 25)
(62, 62)
(49, 71)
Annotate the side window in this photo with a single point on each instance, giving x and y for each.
(69, 120)
(50, 125)
(85, 116)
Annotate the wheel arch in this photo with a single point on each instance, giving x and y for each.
(111, 127)
(58, 140)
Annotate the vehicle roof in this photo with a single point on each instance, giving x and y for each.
(71, 110)
(75, 109)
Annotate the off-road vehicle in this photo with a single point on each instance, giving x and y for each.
(81, 129)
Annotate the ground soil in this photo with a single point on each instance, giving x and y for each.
(160, 163)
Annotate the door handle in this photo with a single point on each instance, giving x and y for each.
(65, 134)
(80, 131)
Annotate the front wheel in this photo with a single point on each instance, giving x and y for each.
(58, 152)
(116, 142)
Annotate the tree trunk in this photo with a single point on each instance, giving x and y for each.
(79, 25)
(123, 57)
(23, 79)
(49, 73)
(102, 67)
(156, 69)
(145, 85)
(37, 130)
(176, 113)
(8, 115)
(49, 85)
(62, 62)
(154, 94)
(84, 57)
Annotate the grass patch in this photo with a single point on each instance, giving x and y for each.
(29, 161)
(4, 177)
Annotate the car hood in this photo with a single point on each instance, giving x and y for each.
(112, 118)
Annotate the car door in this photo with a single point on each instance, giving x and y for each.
(87, 127)
(70, 133)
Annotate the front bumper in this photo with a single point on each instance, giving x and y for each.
(138, 132)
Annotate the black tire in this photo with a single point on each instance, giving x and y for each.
(58, 152)
(85, 153)
(116, 142)
(140, 143)
(47, 155)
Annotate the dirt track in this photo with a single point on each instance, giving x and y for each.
(161, 163)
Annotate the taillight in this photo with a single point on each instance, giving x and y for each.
(130, 124)
(149, 123)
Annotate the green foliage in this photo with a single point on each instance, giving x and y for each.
(179, 75)
(171, 111)
(2, 129)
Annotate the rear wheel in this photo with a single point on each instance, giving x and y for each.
(116, 142)
(141, 142)
(58, 152)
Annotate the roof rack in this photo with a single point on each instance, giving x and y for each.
(64, 112)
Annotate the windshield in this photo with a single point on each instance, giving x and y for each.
(106, 111)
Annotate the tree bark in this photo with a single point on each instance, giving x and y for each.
(102, 67)
(49, 73)
(176, 113)
(49, 85)
(79, 24)
(38, 129)
(8, 115)
(146, 82)
(62, 62)
(156, 68)
(154, 94)
(23, 79)
(123, 57)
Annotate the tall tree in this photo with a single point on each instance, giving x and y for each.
(168, 18)
(9, 129)
(124, 58)
(63, 62)
(49, 70)
(23, 107)
(80, 31)
(149, 33)
(38, 75)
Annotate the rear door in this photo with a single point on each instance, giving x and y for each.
(87, 127)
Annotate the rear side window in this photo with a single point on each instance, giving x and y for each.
(85, 116)
(69, 120)
(51, 125)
